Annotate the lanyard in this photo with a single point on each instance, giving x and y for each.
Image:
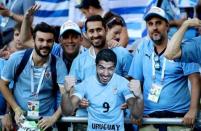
(154, 70)
(41, 76)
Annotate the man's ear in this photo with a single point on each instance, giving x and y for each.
(168, 26)
(81, 38)
(60, 39)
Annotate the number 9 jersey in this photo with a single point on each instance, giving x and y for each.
(104, 110)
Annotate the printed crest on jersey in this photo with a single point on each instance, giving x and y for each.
(114, 90)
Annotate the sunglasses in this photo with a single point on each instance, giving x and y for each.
(114, 21)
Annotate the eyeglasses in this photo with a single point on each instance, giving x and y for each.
(157, 62)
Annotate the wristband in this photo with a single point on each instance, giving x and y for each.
(11, 15)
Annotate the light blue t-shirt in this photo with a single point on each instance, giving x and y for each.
(104, 111)
(84, 65)
(57, 50)
(22, 90)
(175, 95)
(2, 100)
(191, 50)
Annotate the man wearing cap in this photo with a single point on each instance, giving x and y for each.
(93, 7)
(70, 43)
(165, 82)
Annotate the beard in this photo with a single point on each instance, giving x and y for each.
(157, 39)
(99, 45)
(37, 49)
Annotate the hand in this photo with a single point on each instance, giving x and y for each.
(189, 118)
(70, 81)
(19, 117)
(29, 13)
(84, 103)
(124, 106)
(4, 11)
(7, 124)
(195, 22)
(46, 122)
(136, 121)
(113, 43)
(135, 87)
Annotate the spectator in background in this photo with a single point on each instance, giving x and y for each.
(114, 28)
(165, 83)
(14, 45)
(93, 7)
(70, 43)
(14, 13)
(2, 100)
(176, 17)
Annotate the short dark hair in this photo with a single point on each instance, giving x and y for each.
(18, 26)
(95, 18)
(106, 55)
(86, 3)
(44, 27)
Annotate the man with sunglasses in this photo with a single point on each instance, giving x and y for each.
(165, 82)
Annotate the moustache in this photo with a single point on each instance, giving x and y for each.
(46, 48)
(99, 37)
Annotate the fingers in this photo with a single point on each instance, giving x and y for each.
(19, 118)
(136, 121)
(113, 43)
(188, 120)
(84, 103)
(32, 10)
(45, 123)
(7, 124)
(135, 86)
(42, 124)
(124, 106)
(70, 81)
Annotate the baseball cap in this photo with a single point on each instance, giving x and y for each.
(69, 25)
(156, 11)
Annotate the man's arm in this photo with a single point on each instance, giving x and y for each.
(7, 123)
(9, 98)
(190, 116)
(173, 49)
(8, 13)
(69, 102)
(25, 32)
(136, 104)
